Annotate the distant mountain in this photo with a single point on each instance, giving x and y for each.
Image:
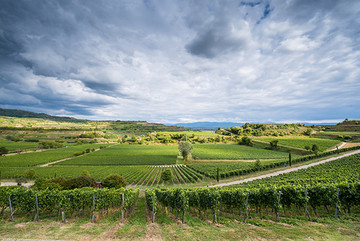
(216, 125)
(29, 114)
(208, 125)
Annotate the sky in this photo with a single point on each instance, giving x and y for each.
(182, 61)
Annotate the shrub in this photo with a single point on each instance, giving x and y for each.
(3, 151)
(30, 173)
(79, 182)
(114, 181)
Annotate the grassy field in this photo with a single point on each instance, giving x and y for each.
(37, 158)
(233, 151)
(301, 142)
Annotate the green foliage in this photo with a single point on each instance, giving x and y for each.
(85, 173)
(49, 144)
(308, 132)
(274, 144)
(257, 165)
(246, 141)
(30, 173)
(3, 151)
(79, 182)
(167, 176)
(114, 181)
(315, 148)
(185, 149)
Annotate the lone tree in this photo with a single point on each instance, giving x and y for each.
(315, 149)
(274, 145)
(185, 149)
(3, 151)
(167, 176)
(290, 161)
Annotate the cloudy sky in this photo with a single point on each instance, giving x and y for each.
(182, 61)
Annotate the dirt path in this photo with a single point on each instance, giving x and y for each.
(3, 184)
(341, 146)
(287, 170)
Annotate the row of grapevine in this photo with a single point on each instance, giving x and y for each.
(233, 169)
(24, 200)
(242, 199)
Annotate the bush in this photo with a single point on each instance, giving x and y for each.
(30, 173)
(49, 144)
(78, 153)
(246, 141)
(114, 181)
(79, 182)
(3, 151)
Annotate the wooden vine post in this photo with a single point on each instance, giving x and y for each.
(337, 203)
(11, 212)
(216, 203)
(37, 208)
(246, 204)
(93, 210)
(278, 204)
(122, 207)
(305, 204)
(183, 210)
(153, 209)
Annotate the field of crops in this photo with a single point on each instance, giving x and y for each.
(301, 142)
(233, 151)
(135, 175)
(13, 146)
(129, 155)
(227, 169)
(37, 158)
(344, 170)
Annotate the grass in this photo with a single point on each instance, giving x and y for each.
(167, 227)
(301, 142)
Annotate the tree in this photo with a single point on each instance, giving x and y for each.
(274, 145)
(3, 151)
(257, 165)
(308, 132)
(30, 173)
(115, 181)
(167, 176)
(85, 173)
(315, 148)
(246, 141)
(217, 174)
(185, 149)
(289, 159)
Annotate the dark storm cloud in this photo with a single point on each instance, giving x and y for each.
(217, 40)
(177, 61)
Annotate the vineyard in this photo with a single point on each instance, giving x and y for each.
(302, 142)
(327, 190)
(77, 202)
(129, 155)
(232, 151)
(135, 175)
(37, 158)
